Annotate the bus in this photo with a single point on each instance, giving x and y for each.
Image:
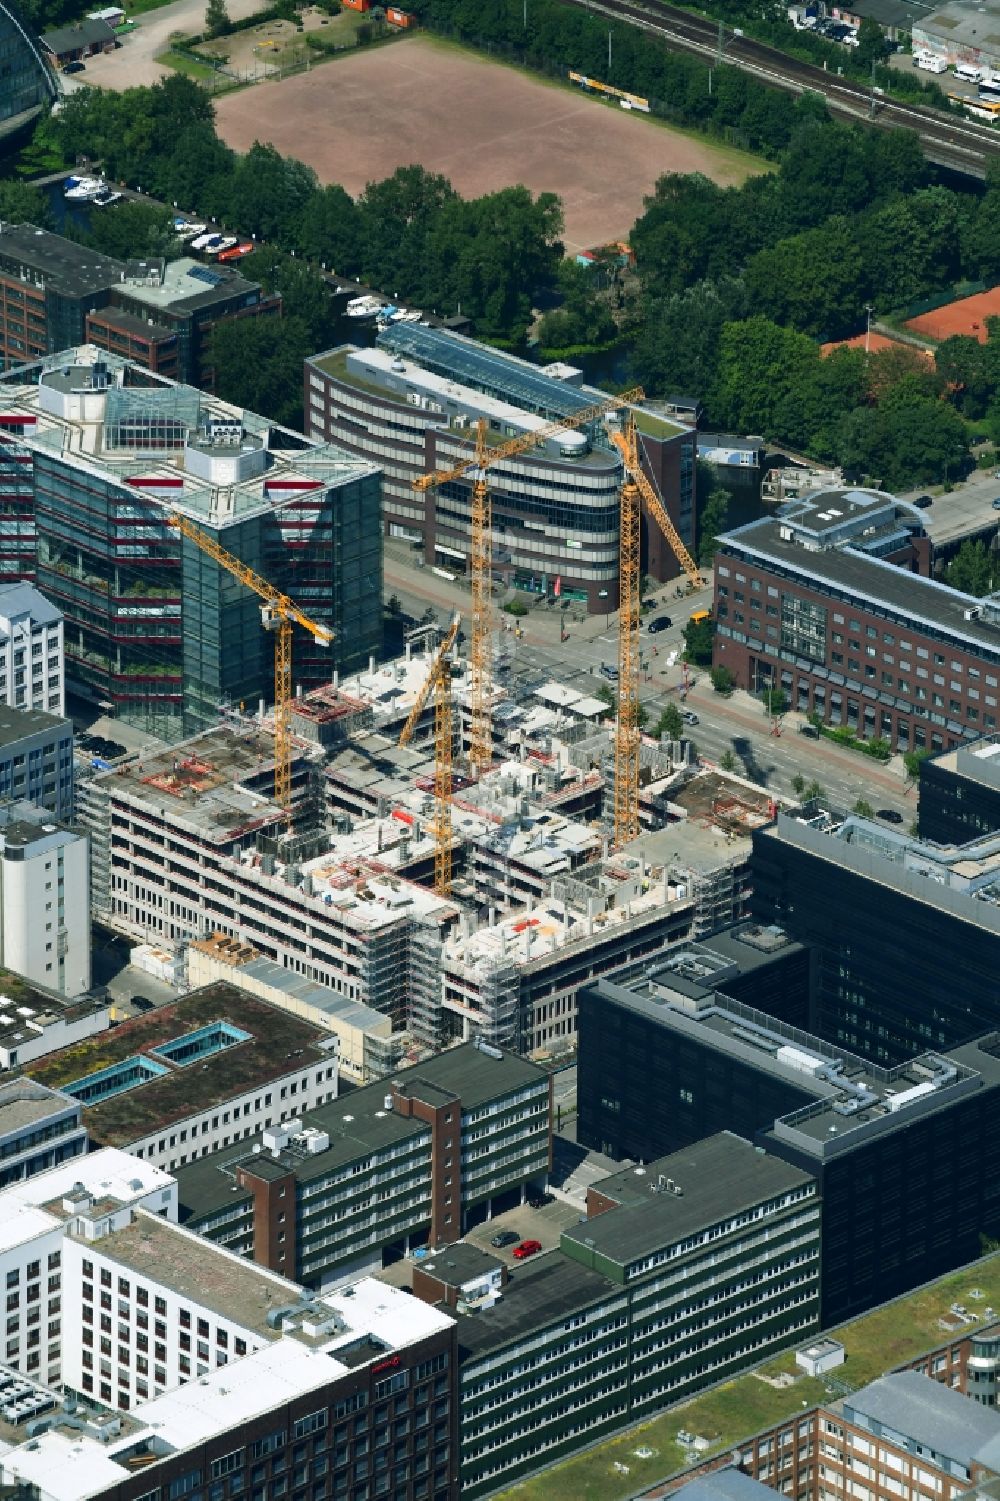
(984, 109)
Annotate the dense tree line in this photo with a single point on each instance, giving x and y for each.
(738, 285)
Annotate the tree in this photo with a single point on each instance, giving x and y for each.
(698, 636)
(873, 46)
(775, 701)
(863, 808)
(583, 318)
(912, 760)
(909, 439)
(258, 364)
(972, 570)
(670, 723)
(813, 791)
(606, 695)
(812, 281)
(712, 519)
(217, 22)
(133, 229)
(21, 204)
(722, 680)
(798, 784)
(727, 760)
(768, 382)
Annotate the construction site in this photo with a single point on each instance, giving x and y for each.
(422, 840)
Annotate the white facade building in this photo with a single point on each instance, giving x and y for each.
(44, 900)
(85, 1197)
(32, 670)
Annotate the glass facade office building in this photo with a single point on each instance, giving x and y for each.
(26, 84)
(156, 631)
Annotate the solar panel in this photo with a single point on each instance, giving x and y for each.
(487, 370)
(205, 274)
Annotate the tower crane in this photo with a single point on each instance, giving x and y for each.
(439, 679)
(476, 466)
(635, 489)
(279, 614)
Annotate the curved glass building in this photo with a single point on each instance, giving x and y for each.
(26, 83)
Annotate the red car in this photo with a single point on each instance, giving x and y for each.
(525, 1249)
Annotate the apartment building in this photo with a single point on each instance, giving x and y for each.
(55, 294)
(201, 1073)
(885, 915)
(98, 454)
(44, 900)
(35, 1020)
(31, 650)
(39, 1129)
(829, 600)
(905, 1196)
(643, 1304)
(409, 1162)
(36, 760)
(411, 404)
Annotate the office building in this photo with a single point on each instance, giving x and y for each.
(39, 1129)
(959, 798)
(35, 1021)
(36, 760)
(643, 1304)
(29, 87)
(409, 1162)
(366, 1049)
(44, 900)
(411, 404)
(156, 630)
(218, 1374)
(31, 651)
(56, 294)
(829, 601)
(199, 1074)
(905, 1198)
(905, 934)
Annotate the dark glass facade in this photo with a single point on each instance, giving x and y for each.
(26, 85)
(954, 807)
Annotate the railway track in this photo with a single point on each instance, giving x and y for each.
(962, 145)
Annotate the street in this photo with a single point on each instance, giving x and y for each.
(736, 724)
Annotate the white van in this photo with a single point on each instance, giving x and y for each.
(969, 72)
(929, 62)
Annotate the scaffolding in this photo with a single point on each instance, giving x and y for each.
(424, 1012)
(499, 1002)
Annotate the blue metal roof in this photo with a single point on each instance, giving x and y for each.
(484, 369)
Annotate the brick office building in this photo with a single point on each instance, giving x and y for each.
(830, 601)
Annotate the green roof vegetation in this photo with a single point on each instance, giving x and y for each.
(653, 425)
(887, 1337)
(336, 365)
(279, 1044)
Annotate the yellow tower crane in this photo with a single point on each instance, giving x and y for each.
(279, 614)
(476, 467)
(439, 678)
(635, 489)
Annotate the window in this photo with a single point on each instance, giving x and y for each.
(311, 1423)
(183, 1485)
(227, 1465)
(271, 1444)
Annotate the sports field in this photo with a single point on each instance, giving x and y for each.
(482, 124)
(966, 316)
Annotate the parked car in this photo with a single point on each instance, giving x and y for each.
(74, 67)
(525, 1249)
(142, 1003)
(504, 1238)
(923, 501)
(996, 504)
(661, 623)
(889, 815)
(537, 1198)
(611, 673)
(689, 716)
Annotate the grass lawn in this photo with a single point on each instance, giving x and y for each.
(875, 1343)
(140, 7)
(200, 72)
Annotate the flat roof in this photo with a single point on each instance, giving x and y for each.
(297, 987)
(455, 1265)
(17, 724)
(545, 1288)
(278, 1044)
(358, 1123)
(728, 1484)
(958, 24)
(197, 1269)
(186, 286)
(33, 1206)
(914, 600)
(978, 761)
(23, 1102)
(720, 1176)
(70, 269)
